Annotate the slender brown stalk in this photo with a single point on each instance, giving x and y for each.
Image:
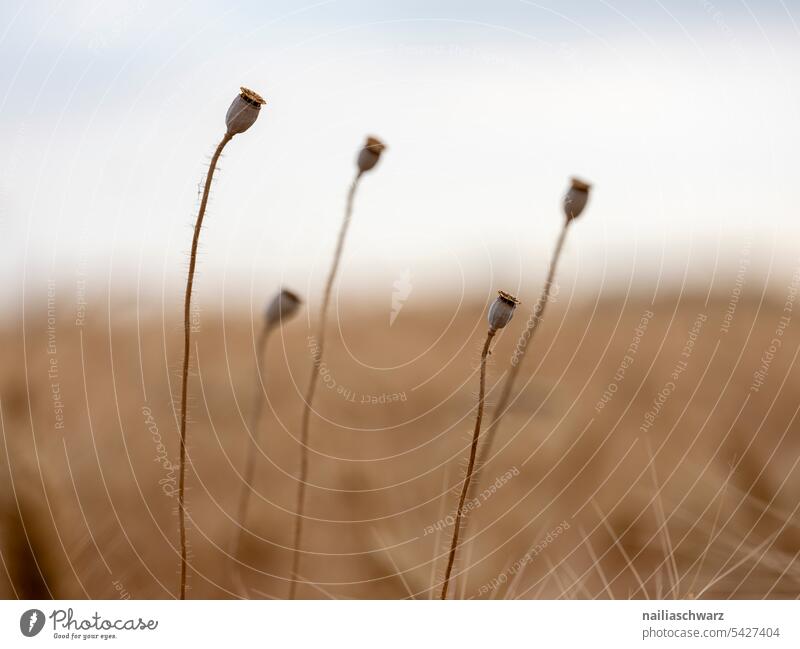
(471, 466)
(257, 407)
(187, 332)
(508, 385)
(312, 387)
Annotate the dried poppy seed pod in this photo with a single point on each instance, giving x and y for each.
(368, 156)
(502, 310)
(283, 306)
(576, 198)
(243, 111)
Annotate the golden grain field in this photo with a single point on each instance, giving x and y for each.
(570, 503)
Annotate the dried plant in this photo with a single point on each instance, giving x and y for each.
(279, 311)
(500, 315)
(573, 204)
(368, 157)
(241, 115)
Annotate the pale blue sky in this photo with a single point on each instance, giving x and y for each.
(684, 115)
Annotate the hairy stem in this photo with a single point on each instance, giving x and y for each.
(471, 466)
(312, 387)
(250, 464)
(508, 385)
(187, 333)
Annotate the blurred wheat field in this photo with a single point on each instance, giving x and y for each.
(571, 504)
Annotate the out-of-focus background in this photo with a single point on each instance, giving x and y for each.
(651, 447)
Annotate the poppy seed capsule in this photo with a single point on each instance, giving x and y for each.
(369, 155)
(283, 306)
(576, 198)
(502, 310)
(243, 111)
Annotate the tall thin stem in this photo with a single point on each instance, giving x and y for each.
(256, 408)
(471, 466)
(187, 333)
(508, 385)
(312, 387)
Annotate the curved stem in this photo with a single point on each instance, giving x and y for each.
(250, 464)
(187, 333)
(471, 466)
(312, 388)
(530, 329)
